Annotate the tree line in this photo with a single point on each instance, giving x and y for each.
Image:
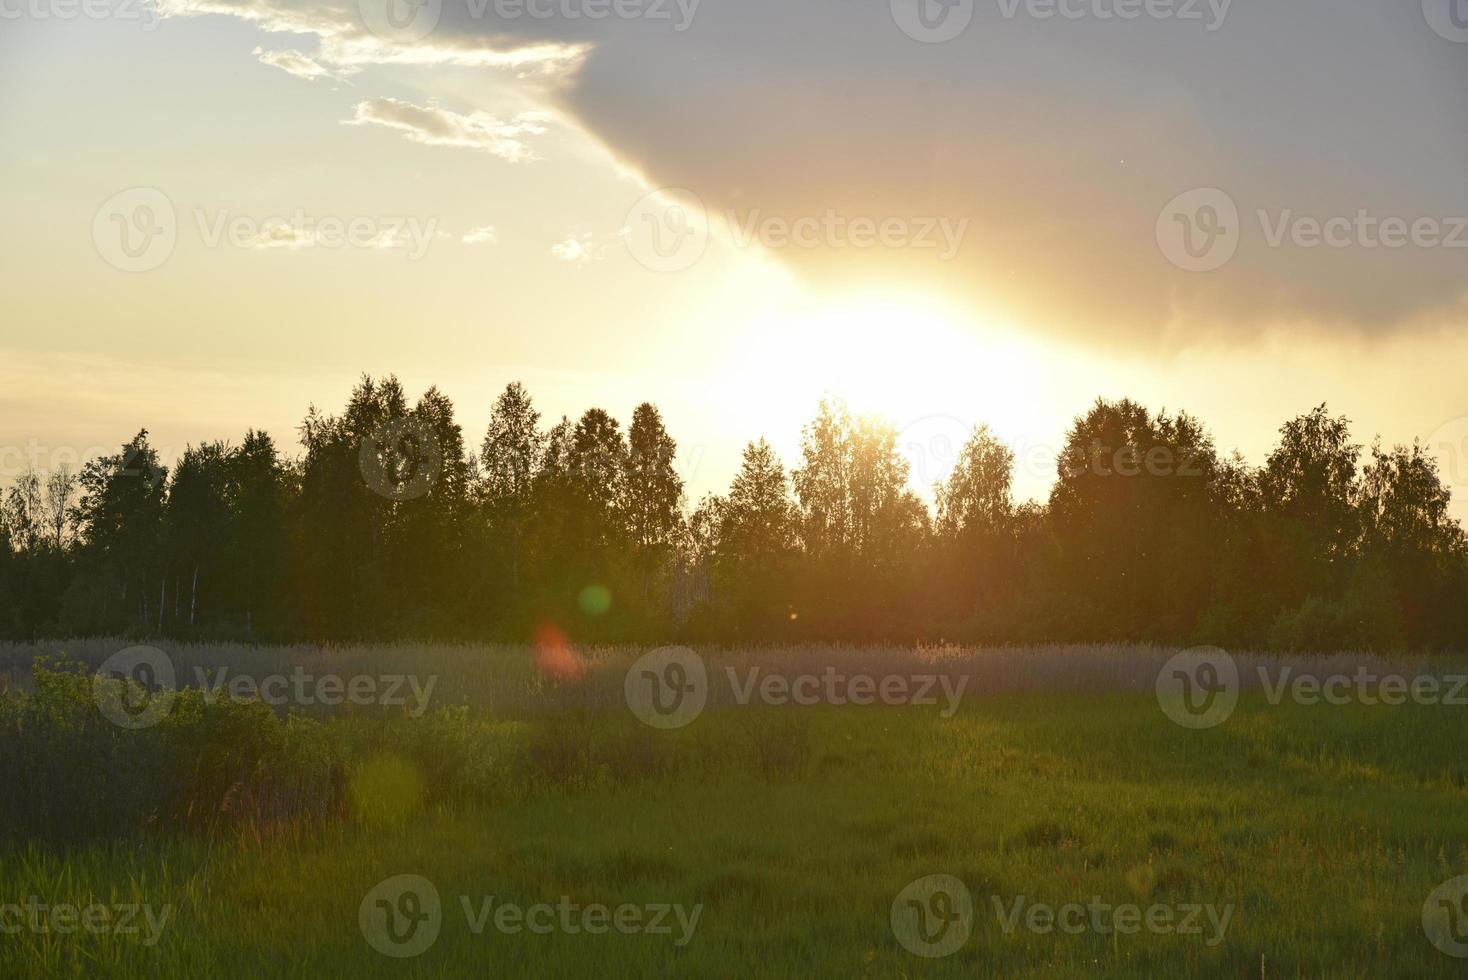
(387, 526)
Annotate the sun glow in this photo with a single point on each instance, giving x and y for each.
(932, 371)
(904, 358)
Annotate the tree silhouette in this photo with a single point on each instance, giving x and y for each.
(385, 527)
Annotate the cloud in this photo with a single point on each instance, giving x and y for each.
(282, 234)
(1060, 139)
(433, 126)
(577, 249)
(299, 65)
(479, 236)
(355, 33)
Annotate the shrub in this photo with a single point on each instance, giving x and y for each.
(204, 766)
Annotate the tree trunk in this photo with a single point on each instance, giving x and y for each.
(194, 596)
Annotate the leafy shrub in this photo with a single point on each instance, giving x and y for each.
(457, 755)
(204, 766)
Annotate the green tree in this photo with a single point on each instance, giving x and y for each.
(120, 518)
(652, 497)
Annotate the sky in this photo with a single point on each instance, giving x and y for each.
(949, 212)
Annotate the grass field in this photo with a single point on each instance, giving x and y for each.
(1303, 840)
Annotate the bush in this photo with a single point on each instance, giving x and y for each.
(204, 766)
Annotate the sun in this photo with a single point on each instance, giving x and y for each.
(900, 356)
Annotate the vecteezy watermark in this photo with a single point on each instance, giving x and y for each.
(1445, 917)
(402, 917)
(837, 688)
(402, 459)
(400, 21)
(932, 21)
(932, 447)
(135, 687)
(1102, 460)
(835, 229)
(668, 230)
(94, 918)
(302, 230)
(1448, 444)
(137, 229)
(139, 10)
(669, 688)
(679, 13)
(407, 21)
(936, 21)
(934, 917)
(35, 456)
(1449, 18)
(1199, 688)
(1200, 230)
(1362, 230)
(302, 689)
(1074, 918)
(1210, 13)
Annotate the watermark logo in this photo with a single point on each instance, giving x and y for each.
(1126, 461)
(836, 688)
(401, 916)
(932, 21)
(835, 229)
(1362, 230)
(43, 10)
(1199, 688)
(401, 460)
(135, 688)
(932, 446)
(573, 918)
(679, 13)
(142, 920)
(1448, 444)
(303, 689)
(400, 21)
(1198, 231)
(1448, 18)
(667, 230)
(1074, 918)
(933, 916)
(135, 230)
(668, 687)
(1364, 688)
(1211, 13)
(1445, 917)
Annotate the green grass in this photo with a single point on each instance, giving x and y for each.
(1324, 827)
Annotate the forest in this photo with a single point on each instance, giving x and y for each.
(390, 525)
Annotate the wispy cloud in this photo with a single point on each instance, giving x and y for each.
(576, 248)
(345, 40)
(300, 65)
(433, 126)
(479, 236)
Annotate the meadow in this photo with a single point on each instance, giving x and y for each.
(785, 839)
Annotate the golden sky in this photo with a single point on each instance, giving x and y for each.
(220, 212)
